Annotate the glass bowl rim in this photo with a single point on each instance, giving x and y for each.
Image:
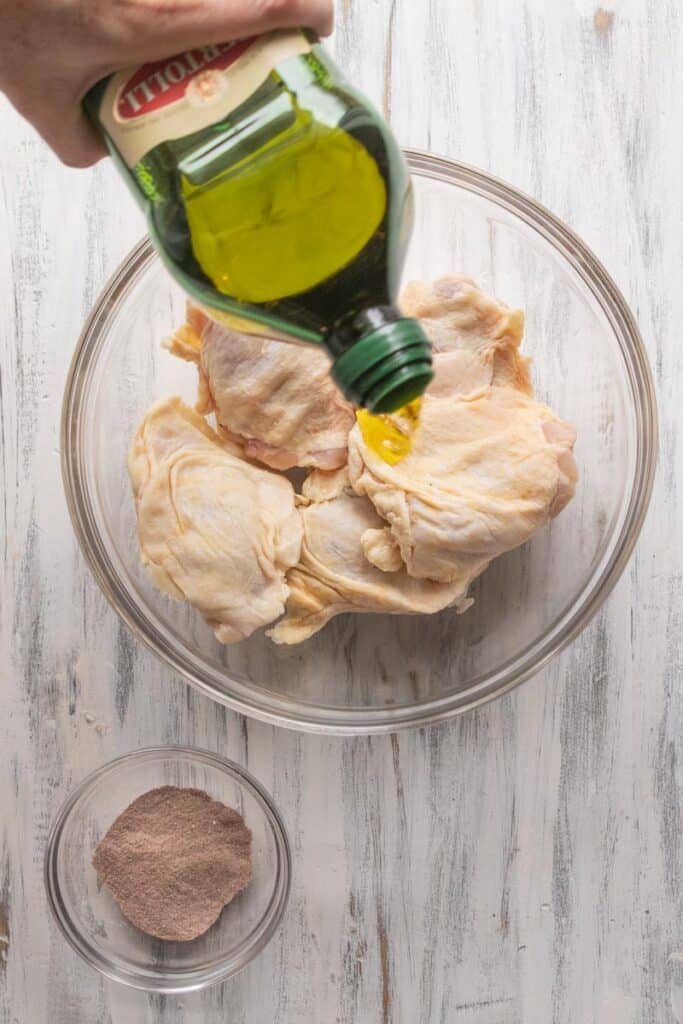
(308, 716)
(223, 967)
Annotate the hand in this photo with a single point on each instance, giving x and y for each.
(53, 51)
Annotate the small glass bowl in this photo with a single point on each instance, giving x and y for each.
(89, 916)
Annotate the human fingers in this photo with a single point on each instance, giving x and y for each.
(160, 28)
(68, 132)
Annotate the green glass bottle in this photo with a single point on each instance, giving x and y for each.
(279, 200)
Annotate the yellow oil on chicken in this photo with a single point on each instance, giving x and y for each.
(390, 435)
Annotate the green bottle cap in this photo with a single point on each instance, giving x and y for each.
(387, 368)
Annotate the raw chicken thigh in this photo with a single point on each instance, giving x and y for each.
(480, 335)
(489, 465)
(213, 529)
(334, 576)
(276, 399)
(487, 469)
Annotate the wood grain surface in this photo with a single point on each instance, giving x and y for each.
(521, 864)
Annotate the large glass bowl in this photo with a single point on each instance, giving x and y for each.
(377, 673)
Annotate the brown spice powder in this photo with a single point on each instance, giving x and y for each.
(173, 859)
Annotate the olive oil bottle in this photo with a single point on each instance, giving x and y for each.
(279, 200)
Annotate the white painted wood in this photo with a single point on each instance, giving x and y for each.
(522, 864)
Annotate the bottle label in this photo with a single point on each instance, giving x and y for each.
(145, 106)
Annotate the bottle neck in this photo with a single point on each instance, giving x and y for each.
(351, 329)
(381, 359)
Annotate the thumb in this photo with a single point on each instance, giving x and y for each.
(59, 119)
(69, 133)
(161, 29)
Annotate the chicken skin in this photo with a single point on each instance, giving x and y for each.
(334, 575)
(213, 530)
(274, 398)
(486, 470)
(480, 334)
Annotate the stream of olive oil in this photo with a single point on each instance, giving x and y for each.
(390, 435)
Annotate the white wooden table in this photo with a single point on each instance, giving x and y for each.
(522, 864)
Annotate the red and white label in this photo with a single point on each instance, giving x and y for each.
(168, 99)
(154, 86)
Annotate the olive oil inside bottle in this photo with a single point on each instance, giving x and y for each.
(298, 211)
